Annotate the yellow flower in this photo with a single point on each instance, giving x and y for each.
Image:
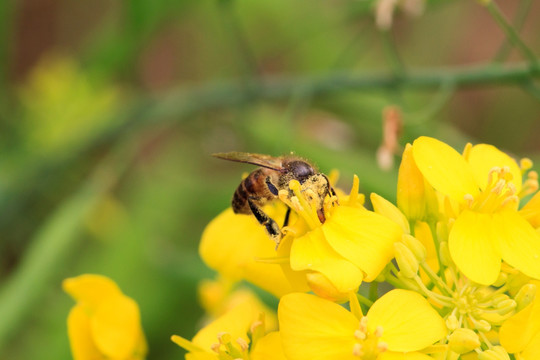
(520, 334)
(240, 333)
(351, 246)
(482, 187)
(333, 258)
(397, 326)
(62, 105)
(234, 244)
(104, 324)
(415, 198)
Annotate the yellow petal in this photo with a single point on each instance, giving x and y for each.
(532, 351)
(385, 208)
(268, 348)
(232, 243)
(484, 157)
(80, 337)
(410, 187)
(90, 289)
(116, 327)
(409, 323)
(531, 211)
(315, 329)
(202, 356)
(391, 355)
(444, 168)
(312, 252)
(363, 237)
(519, 243)
(236, 322)
(474, 247)
(517, 332)
(423, 233)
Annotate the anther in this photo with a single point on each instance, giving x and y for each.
(525, 164)
(469, 199)
(511, 199)
(359, 335)
(379, 331)
(224, 337)
(244, 346)
(363, 324)
(382, 346)
(491, 172)
(215, 347)
(499, 186)
(357, 350)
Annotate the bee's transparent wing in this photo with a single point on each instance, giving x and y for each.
(266, 161)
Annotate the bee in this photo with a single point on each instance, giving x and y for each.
(264, 184)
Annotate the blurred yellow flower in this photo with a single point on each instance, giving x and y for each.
(397, 326)
(482, 187)
(243, 332)
(104, 324)
(63, 105)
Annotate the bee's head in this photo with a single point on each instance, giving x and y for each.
(300, 170)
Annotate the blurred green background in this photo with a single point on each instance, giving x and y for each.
(109, 111)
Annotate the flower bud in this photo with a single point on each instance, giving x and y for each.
(525, 296)
(506, 306)
(417, 248)
(499, 298)
(324, 288)
(481, 325)
(444, 253)
(452, 322)
(387, 209)
(501, 280)
(411, 188)
(408, 265)
(496, 353)
(463, 340)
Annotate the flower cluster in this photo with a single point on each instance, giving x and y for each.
(448, 272)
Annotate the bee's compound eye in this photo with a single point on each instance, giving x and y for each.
(301, 170)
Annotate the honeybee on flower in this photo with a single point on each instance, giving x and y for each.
(330, 243)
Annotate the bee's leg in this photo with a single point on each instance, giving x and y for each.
(271, 226)
(287, 215)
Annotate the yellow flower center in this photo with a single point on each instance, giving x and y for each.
(227, 350)
(368, 345)
(478, 308)
(500, 193)
(309, 200)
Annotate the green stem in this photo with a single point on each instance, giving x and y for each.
(238, 37)
(374, 290)
(445, 290)
(364, 300)
(519, 20)
(398, 68)
(52, 245)
(440, 299)
(511, 34)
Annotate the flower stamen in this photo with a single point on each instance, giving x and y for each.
(368, 345)
(499, 192)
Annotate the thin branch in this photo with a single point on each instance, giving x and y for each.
(392, 53)
(511, 34)
(238, 36)
(517, 24)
